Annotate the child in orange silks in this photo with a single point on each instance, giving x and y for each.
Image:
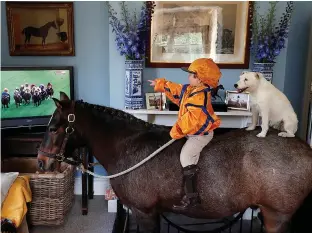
(196, 119)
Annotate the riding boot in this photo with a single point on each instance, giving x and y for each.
(191, 197)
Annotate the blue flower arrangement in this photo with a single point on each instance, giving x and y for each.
(268, 39)
(131, 32)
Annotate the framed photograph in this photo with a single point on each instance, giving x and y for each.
(237, 101)
(181, 32)
(40, 28)
(155, 101)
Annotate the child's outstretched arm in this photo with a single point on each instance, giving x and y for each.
(172, 90)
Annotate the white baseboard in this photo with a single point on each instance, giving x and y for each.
(100, 186)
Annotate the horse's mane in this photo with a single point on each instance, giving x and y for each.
(104, 111)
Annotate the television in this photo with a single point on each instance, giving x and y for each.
(27, 92)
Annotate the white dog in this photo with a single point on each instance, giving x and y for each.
(266, 100)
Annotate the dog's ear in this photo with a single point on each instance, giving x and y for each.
(258, 75)
(244, 72)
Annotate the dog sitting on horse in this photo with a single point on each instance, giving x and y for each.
(273, 106)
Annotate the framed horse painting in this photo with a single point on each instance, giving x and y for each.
(40, 28)
(182, 31)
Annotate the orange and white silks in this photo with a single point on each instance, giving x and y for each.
(196, 115)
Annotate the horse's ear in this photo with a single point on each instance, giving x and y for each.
(63, 96)
(57, 103)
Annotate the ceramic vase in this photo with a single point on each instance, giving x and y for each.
(265, 68)
(133, 84)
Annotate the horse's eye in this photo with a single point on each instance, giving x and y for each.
(52, 129)
(246, 79)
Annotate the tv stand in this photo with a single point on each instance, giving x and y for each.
(25, 141)
(21, 141)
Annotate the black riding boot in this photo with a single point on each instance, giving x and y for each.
(191, 197)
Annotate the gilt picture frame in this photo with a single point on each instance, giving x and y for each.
(40, 28)
(181, 32)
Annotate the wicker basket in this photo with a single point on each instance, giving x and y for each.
(52, 194)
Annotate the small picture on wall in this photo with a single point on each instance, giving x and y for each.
(155, 101)
(237, 101)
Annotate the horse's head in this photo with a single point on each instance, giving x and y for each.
(61, 137)
(53, 24)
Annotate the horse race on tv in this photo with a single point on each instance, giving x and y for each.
(28, 93)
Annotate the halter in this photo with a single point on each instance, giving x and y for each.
(60, 155)
(61, 158)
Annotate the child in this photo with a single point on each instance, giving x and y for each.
(196, 119)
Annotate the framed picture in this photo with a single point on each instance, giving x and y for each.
(155, 101)
(181, 32)
(238, 101)
(40, 28)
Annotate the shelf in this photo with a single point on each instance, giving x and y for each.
(166, 112)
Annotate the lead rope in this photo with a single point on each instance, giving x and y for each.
(82, 168)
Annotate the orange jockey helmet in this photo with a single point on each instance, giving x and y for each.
(206, 70)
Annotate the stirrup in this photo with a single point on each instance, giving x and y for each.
(184, 204)
(188, 201)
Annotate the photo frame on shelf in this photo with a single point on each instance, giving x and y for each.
(40, 28)
(237, 101)
(156, 101)
(181, 32)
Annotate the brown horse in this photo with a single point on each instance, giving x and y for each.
(237, 169)
(38, 32)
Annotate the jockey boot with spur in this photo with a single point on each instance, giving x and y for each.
(191, 197)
